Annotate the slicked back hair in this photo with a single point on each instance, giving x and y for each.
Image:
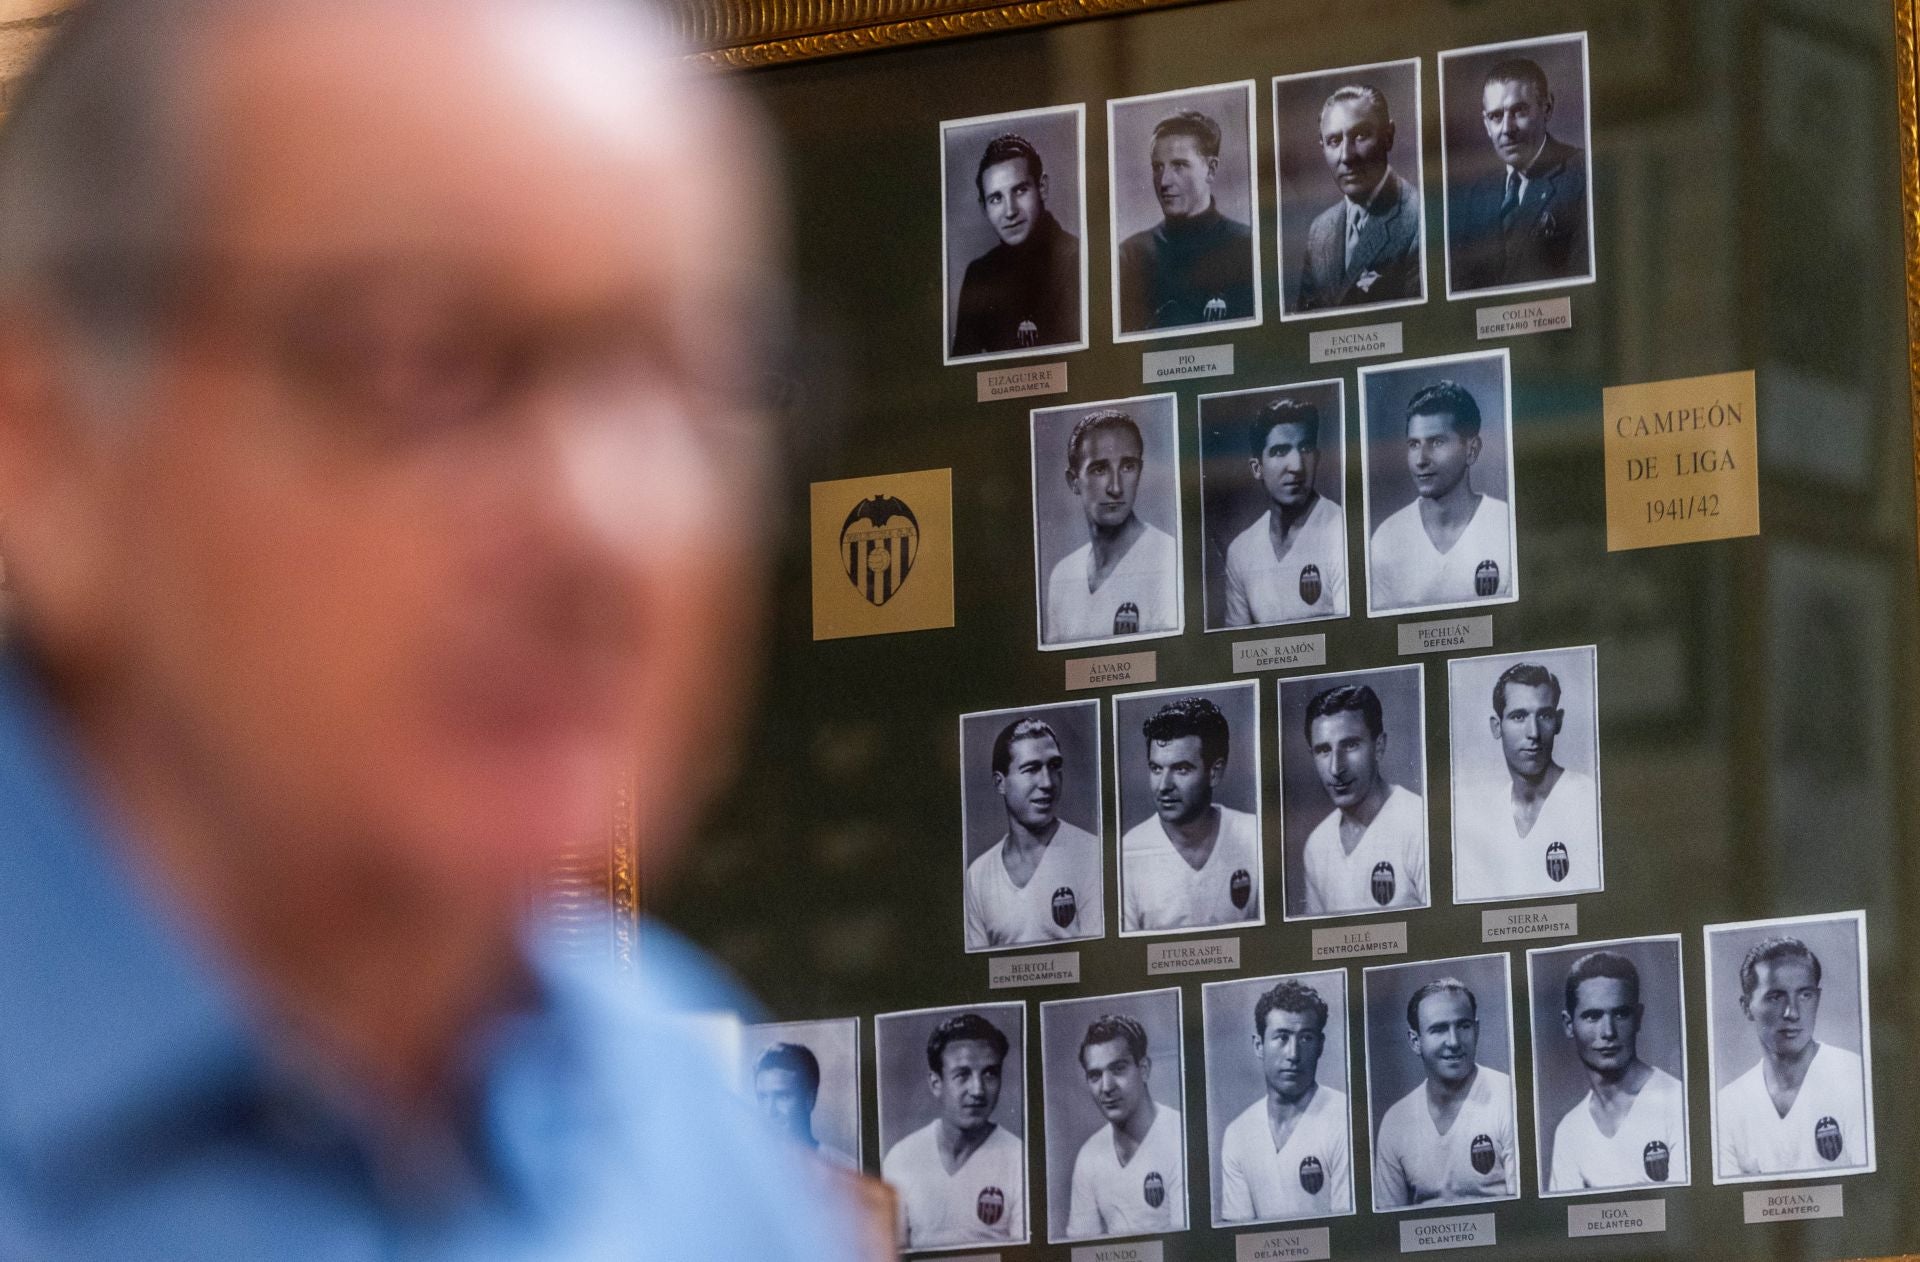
(1601, 964)
(1772, 951)
(1439, 986)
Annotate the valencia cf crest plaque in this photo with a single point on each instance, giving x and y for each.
(883, 554)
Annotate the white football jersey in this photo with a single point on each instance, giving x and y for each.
(1145, 1196)
(1309, 1176)
(1161, 890)
(1408, 572)
(1647, 1150)
(1825, 1128)
(1391, 859)
(1559, 855)
(1414, 1164)
(1063, 899)
(1139, 596)
(984, 1201)
(1309, 582)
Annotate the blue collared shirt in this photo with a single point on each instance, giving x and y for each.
(141, 1117)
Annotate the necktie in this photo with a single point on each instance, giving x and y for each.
(1511, 202)
(1356, 220)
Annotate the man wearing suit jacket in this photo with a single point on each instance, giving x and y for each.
(1526, 222)
(1365, 248)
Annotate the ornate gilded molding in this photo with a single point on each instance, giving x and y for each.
(742, 36)
(1906, 39)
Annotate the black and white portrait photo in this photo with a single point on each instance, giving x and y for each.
(1609, 1066)
(1012, 223)
(1273, 479)
(1789, 1044)
(1187, 771)
(1440, 1083)
(1525, 738)
(1437, 460)
(1185, 213)
(1279, 1098)
(1353, 788)
(804, 1078)
(1115, 1089)
(1346, 154)
(1106, 522)
(1030, 807)
(1516, 153)
(953, 1123)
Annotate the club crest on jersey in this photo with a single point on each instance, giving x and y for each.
(1383, 883)
(1486, 578)
(878, 546)
(1655, 1157)
(1126, 619)
(1240, 888)
(1310, 587)
(1313, 1176)
(1827, 1138)
(1481, 1153)
(1557, 862)
(1154, 1189)
(1065, 906)
(991, 1205)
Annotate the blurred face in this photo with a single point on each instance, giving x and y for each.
(1012, 199)
(1347, 756)
(1355, 140)
(417, 540)
(1117, 1082)
(1287, 464)
(1527, 728)
(1108, 477)
(1290, 1052)
(967, 1088)
(1182, 176)
(1437, 456)
(1605, 1024)
(1783, 1006)
(1516, 120)
(1447, 1037)
(1182, 783)
(1031, 784)
(785, 1100)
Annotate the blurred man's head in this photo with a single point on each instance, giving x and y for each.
(786, 1085)
(369, 417)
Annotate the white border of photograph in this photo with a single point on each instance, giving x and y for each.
(1253, 222)
(1099, 829)
(1418, 148)
(1346, 500)
(1366, 479)
(1026, 1116)
(1859, 918)
(1446, 201)
(859, 1077)
(1259, 821)
(1687, 1084)
(949, 359)
(1353, 1154)
(1513, 1087)
(1419, 670)
(1179, 528)
(1186, 1076)
(1599, 792)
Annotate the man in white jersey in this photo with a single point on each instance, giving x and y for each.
(1802, 1108)
(1125, 580)
(1042, 881)
(1130, 1177)
(1451, 545)
(1451, 1139)
(1290, 565)
(1192, 864)
(1536, 829)
(1630, 1129)
(1370, 852)
(961, 1178)
(1286, 1156)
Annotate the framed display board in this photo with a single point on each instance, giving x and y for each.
(1341, 677)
